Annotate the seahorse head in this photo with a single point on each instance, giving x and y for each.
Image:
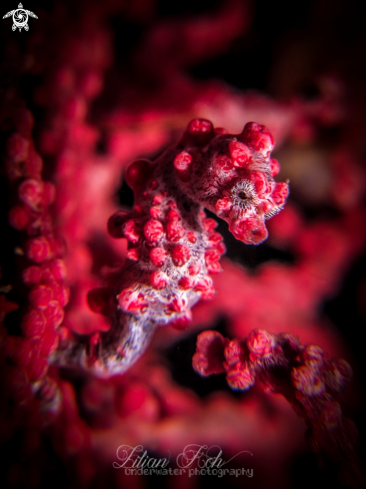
(232, 175)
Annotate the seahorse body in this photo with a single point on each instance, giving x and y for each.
(172, 246)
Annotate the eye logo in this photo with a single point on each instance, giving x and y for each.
(20, 17)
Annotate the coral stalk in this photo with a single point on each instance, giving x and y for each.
(304, 375)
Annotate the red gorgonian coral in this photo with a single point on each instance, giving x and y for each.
(304, 375)
(78, 307)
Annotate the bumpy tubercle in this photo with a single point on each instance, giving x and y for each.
(172, 245)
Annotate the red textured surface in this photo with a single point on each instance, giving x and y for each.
(303, 375)
(120, 84)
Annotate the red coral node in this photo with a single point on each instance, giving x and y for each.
(194, 269)
(58, 269)
(209, 357)
(234, 353)
(174, 231)
(159, 280)
(260, 343)
(158, 256)
(280, 193)
(33, 323)
(211, 256)
(251, 230)
(54, 314)
(200, 126)
(307, 380)
(214, 267)
(178, 304)
(153, 231)
(133, 254)
(158, 199)
(48, 342)
(115, 224)
(214, 239)
(192, 238)
(61, 293)
(209, 224)
(131, 300)
(182, 322)
(224, 162)
(132, 230)
(180, 255)
(260, 182)
(313, 355)
(186, 283)
(240, 153)
(173, 215)
(31, 193)
(38, 249)
(40, 296)
(182, 161)
(258, 138)
(240, 377)
(274, 167)
(138, 174)
(337, 374)
(18, 218)
(156, 212)
(205, 286)
(223, 205)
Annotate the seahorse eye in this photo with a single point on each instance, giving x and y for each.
(243, 196)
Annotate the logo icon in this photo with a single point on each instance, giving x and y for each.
(20, 17)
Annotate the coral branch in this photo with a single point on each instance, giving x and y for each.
(27, 379)
(172, 245)
(304, 375)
